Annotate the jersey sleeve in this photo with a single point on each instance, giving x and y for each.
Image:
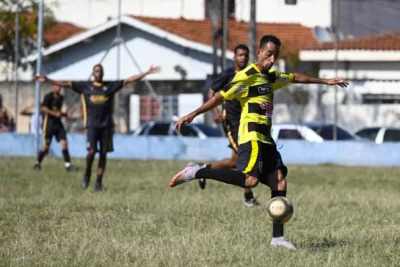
(79, 87)
(219, 82)
(115, 86)
(282, 79)
(237, 88)
(47, 101)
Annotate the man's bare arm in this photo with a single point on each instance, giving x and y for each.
(43, 78)
(209, 105)
(50, 112)
(140, 76)
(217, 114)
(301, 78)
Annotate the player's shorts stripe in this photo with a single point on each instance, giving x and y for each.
(84, 110)
(253, 156)
(230, 137)
(45, 127)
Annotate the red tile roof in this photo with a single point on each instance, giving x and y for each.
(293, 36)
(381, 41)
(60, 31)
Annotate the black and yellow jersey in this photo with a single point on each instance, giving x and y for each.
(98, 101)
(255, 91)
(54, 103)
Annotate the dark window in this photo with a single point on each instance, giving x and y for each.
(208, 130)
(159, 129)
(391, 135)
(289, 134)
(290, 2)
(326, 132)
(369, 133)
(231, 8)
(380, 98)
(188, 131)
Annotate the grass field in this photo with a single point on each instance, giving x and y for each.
(343, 217)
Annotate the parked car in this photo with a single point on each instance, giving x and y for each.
(380, 135)
(312, 132)
(166, 128)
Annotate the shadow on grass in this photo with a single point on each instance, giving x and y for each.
(325, 244)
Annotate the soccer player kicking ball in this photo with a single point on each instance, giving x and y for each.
(53, 126)
(254, 87)
(97, 101)
(230, 117)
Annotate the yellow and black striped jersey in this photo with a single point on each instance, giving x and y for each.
(255, 91)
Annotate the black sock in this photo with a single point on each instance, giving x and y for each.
(88, 172)
(41, 156)
(99, 178)
(226, 176)
(66, 156)
(248, 195)
(277, 228)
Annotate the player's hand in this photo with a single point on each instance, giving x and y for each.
(41, 78)
(57, 115)
(218, 118)
(337, 81)
(183, 121)
(153, 69)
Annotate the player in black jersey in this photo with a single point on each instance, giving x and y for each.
(230, 117)
(98, 103)
(53, 126)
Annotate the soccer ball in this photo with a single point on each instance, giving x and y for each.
(279, 209)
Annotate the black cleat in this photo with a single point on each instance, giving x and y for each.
(202, 183)
(71, 168)
(98, 187)
(85, 182)
(37, 167)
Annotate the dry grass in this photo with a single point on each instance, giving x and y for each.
(343, 217)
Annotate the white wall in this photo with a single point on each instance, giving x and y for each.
(94, 12)
(307, 12)
(362, 70)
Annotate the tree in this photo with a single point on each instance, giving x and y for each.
(27, 27)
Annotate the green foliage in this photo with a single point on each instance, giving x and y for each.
(343, 216)
(27, 27)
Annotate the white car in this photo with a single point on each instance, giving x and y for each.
(311, 132)
(380, 135)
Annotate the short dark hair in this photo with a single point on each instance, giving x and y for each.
(243, 47)
(269, 38)
(98, 65)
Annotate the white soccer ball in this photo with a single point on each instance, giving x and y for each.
(279, 209)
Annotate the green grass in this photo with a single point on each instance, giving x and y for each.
(343, 217)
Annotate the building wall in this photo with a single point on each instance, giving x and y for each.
(76, 62)
(94, 12)
(362, 70)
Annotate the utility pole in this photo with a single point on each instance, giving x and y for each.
(252, 31)
(16, 63)
(213, 12)
(224, 32)
(335, 66)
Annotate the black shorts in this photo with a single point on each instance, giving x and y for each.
(259, 159)
(57, 131)
(104, 136)
(231, 131)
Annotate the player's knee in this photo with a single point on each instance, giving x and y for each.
(45, 149)
(64, 144)
(232, 163)
(91, 153)
(251, 181)
(281, 182)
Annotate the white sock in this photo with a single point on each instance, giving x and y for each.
(67, 164)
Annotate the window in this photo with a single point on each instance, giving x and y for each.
(392, 135)
(369, 133)
(188, 131)
(290, 134)
(326, 132)
(231, 8)
(159, 129)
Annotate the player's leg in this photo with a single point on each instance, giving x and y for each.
(277, 182)
(91, 143)
(106, 145)
(47, 137)
(61, 137)
(246, 175)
